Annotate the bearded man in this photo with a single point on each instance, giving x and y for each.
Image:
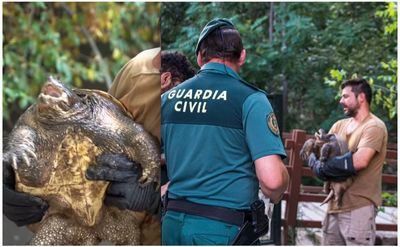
(366, 136)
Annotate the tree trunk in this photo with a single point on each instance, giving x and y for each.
(271, 23)
(284, 78)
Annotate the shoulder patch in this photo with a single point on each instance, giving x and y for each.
(273, 123)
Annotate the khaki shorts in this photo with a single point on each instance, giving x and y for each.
(356, 227)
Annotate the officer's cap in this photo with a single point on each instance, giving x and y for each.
(211, 26)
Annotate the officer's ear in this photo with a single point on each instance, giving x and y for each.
(200, 59)
(242, 57)
(166, 81)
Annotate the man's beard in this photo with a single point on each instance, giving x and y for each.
(351, 112)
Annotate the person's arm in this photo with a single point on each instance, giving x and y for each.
(273, 176)
(362, 157)
(342, 167)
(21, 208)
(265, 145)
(335, 169)
(125, 191)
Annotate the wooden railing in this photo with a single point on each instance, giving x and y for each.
(299, 193)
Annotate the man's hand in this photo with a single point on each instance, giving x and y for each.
(21, 208)
(336, 169)
(124, 192)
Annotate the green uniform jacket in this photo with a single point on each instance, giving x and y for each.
(214, 126)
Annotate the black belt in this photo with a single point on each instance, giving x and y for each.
(226, 215)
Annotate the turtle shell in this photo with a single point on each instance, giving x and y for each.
(67, 189)
(50, 155)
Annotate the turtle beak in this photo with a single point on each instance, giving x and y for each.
(57, 93)
(51, 90)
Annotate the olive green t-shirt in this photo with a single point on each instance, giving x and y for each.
(366, 188)
(137, 86)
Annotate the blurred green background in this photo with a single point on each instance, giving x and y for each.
(84, 44)
(303, 51)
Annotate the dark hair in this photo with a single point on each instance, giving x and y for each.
(359, 85)
(224, 43)
(177, 64)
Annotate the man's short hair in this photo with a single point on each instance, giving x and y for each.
(359, 85)
(223, 43)
(177, 64)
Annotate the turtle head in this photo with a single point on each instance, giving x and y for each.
(56, 101)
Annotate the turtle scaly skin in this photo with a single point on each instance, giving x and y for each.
(326, 146)
(52, 145)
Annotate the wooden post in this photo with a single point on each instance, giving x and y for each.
(294, 145)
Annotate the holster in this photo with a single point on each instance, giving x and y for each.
(164, 205)
(255, 227)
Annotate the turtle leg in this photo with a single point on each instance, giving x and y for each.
(57, 230)
(147, 154)
(21, 150)
(307, 149)
(121, 227)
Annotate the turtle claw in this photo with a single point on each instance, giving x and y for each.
(143, 181)
(14, 162)
(26, 160)
(20, 158)
(149, 176)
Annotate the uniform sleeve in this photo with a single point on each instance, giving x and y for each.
(372, 137)
(260, 126)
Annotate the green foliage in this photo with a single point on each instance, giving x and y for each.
(389, 16)
(42, 39)
(389, 199)
(310, 49)
(383, 78)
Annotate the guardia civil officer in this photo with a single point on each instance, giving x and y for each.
(221, 143)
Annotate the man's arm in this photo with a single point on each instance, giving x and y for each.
(125, 191)
(341, 167)
(362, 157)
(273, 176)
(21, 208)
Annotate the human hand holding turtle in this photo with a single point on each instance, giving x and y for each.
(19, 207)
(125, 191)
(324, 155)
(327, 161)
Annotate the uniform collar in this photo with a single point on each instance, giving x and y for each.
(220, 68)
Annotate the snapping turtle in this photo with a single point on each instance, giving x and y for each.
(52, 145)
(326, 146)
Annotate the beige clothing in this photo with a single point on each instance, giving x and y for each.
(356, 227)
(366, 188)
(137, 86)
